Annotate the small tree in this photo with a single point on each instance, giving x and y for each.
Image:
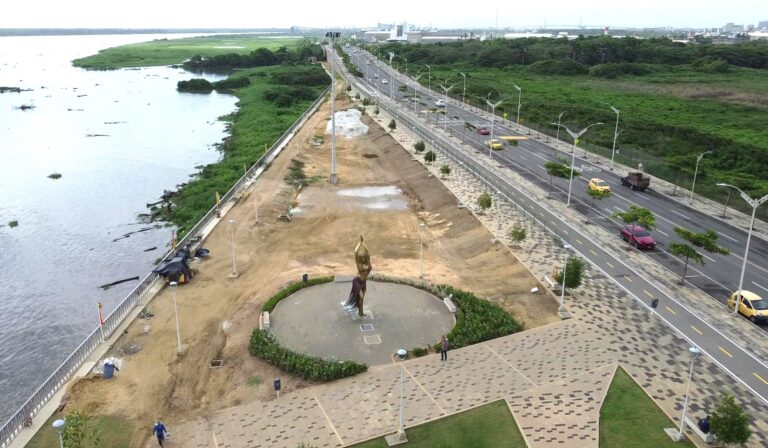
(574, 273)
(517, 234)
(637, 216)
(376, 111)
(445, 170)
(484, 201)
(78, 432)
(597, 194)
(430, 156)
(419, 146)
(729, 423)
(706, 240)
(558, 168)
(392, 125)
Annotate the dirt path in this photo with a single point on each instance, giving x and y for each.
(458, 250)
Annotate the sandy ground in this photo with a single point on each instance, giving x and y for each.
(458, 250)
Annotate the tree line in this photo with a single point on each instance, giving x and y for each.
(261, 57)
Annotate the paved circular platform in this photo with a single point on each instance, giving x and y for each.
(398, 316)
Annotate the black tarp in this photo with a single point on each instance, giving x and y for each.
(174, 269)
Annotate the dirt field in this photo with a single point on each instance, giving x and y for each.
(458, 251)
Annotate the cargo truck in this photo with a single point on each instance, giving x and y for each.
(636, 181)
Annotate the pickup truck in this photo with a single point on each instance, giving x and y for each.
(636, 181)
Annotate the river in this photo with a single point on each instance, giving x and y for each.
(118, 139)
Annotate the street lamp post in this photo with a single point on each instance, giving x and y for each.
(234, 273)
(695, 352)
(561, 310)
(464, 90)
(558, 126)
(401, 431)
(615, 133)
(493, 120)
(176, 312)
(754, 203)
(59, 426)
(421, 249)
(575, 136)
(429, 76)
(696, 171)
(519, 97)
(445, 95)
(415, 92)
(332, 35)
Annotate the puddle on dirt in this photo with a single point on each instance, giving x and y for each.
(378, 198)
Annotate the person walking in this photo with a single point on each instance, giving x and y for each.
(160, 431)
(444, 347)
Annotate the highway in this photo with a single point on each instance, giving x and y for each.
(738, 362)
(718, 277)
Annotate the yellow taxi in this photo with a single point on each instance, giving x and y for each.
(494, 144)
(752, 306)
(596, 184)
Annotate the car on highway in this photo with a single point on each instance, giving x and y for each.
(596, 184)
(752, 306)
(638, 236)
(440, 103)
(384, 81)
(493, 144)
(375, 75)
(483, 130)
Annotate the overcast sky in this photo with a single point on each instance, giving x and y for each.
(327, 14)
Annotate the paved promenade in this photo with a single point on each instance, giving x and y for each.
(554, 377)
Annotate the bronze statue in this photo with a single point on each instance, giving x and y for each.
(357, 295)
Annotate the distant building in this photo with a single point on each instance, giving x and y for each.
(763, 25)
(733, 28)
(758, 35)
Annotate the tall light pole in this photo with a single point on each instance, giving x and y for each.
(754, 203)
(429, 76)
(401, 431)
(59, 426)
(575, 136)
(519, 97)
(567, 248)
(615, 133)
(696, 171)
(415, 93)
(421, 249)
(332, 35)
(176, 312)
(464, 90)
(406, 65)
(493, 120)
(232, 242)
(695, 352)
(445, 93)
(558, 126)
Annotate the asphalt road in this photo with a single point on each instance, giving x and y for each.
(736, 360)
(718, 277)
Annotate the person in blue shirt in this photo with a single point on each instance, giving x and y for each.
(159, 430)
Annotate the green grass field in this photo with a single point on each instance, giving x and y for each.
(176, 51)
(488, 426)
(114, 432)
(629, 419)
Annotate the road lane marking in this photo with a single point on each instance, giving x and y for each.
(670, 310)
(648, 293)
(609, 264)
(697, 330)
(678, 213)
(760, 286)
(608, 210)
(565, 231)
(728, 236)
(626, 277)
(708, 258)
(579, 241)
(553, 222)
(662, 232)
(759, 377)
(522, 157)
(593, 252)
(725, 351)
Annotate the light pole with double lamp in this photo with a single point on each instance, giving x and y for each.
(234, 272)
(575, 136)
(558, 126)
(519, 97)
(696, 171)
(755, 204)
(464, 90)
(176, 313)
(333, 35)
(493, 120)
(445, 99)
(695, 352)
(615, 133)
(429, 76)
(401, 431)
(561, 311)
(415, 92)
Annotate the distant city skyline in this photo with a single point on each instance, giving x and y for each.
(304, 13)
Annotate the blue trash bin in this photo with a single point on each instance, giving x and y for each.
(109, 370)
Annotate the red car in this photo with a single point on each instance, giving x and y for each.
(483, 130)
(638, 237)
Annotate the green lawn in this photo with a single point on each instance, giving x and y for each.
(489, 426)
(176, 51)
(630, 419)
(115, 432)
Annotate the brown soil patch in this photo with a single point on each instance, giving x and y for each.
(458, 250)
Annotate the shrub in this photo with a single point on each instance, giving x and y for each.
(430, 156)
(611, 70)
(232, 83)
(565, 67)
(419, 352)
(270, 304)
(308, 367)
(392, 125)
(195, 85)
(419, 146)
(445, 170)
(485, 201)
(366, 102)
